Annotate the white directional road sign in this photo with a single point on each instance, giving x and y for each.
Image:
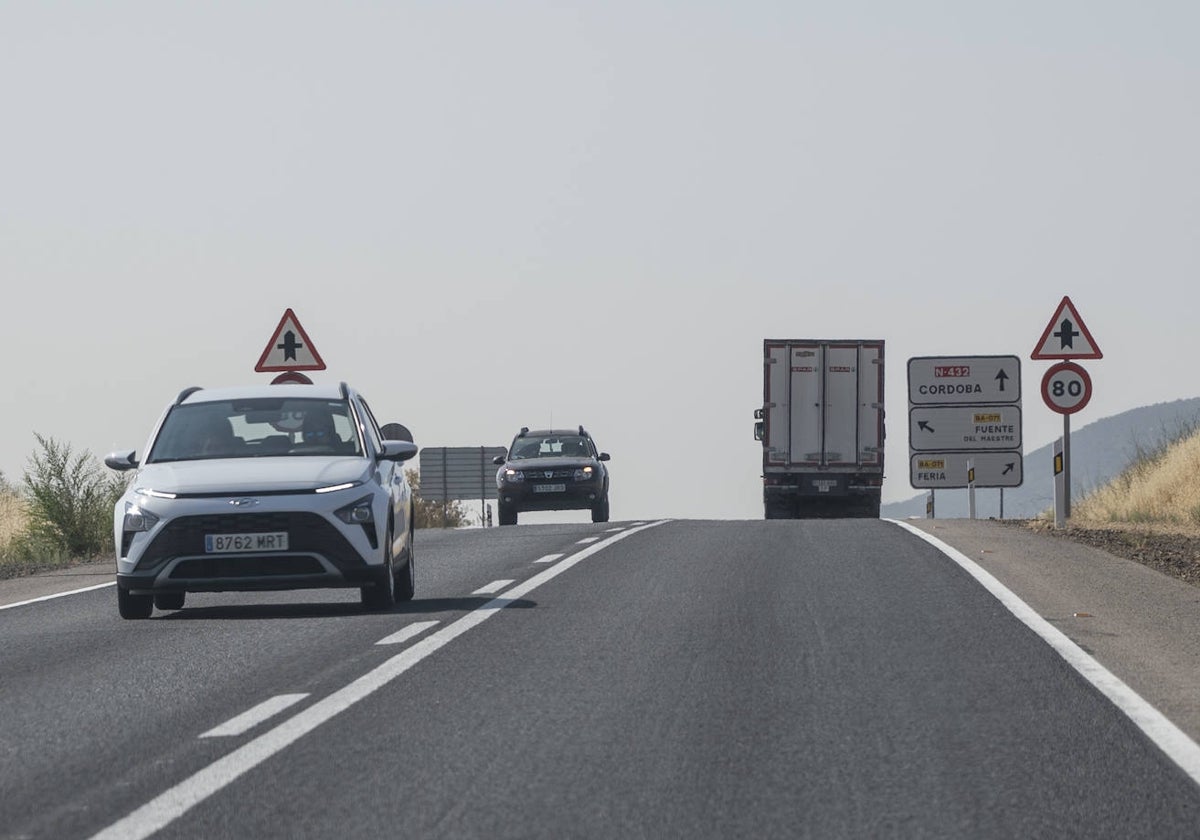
(945, 428)
(948, 470)
(938, 380)
(960, 409)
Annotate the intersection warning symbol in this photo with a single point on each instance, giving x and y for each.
(289, 348)
(1066, 336)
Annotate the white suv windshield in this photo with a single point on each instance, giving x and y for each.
(255, 428)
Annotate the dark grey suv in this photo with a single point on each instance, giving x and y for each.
(552, 469)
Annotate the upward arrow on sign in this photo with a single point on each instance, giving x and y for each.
(1066, 336)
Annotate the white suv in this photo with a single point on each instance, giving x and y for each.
(264, 487)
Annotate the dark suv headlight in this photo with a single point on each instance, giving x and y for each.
(585, 473)
(513, 475)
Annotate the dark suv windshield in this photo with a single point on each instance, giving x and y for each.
(557, 446)
(254, 428)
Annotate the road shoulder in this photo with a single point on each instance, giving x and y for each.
(1140, 624)
(56, 581)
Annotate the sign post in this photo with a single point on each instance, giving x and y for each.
(971, 487)
(1066, 387)
(1060, 482)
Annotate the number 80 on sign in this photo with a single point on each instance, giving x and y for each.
(1066, 388)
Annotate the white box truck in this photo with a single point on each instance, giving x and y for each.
(821, 427)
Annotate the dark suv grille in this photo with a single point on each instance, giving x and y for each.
(542, 475)
(308, 533)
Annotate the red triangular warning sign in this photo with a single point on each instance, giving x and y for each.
(1066, 336)
(289, 348)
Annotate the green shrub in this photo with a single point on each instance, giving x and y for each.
(70, 500)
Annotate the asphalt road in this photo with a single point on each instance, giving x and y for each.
(817, 679)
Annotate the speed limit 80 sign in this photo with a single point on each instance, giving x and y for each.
(1066, 388)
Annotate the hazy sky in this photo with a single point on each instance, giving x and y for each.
(489, 215)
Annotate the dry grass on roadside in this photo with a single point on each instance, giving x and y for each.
(1150, 513)
(13, 518)
(1161, 489)
(19, 556)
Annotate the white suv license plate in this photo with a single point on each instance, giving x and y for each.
(231, 543)
(549, 488)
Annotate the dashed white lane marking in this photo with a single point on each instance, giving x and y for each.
(614, 530)
(549, 558)
(175, 802)
(406, 633)
(58, 595)
(493, 587)
(586, 540)
(251, 718)
(1170, 738)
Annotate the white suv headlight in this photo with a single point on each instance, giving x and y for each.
(137, 519)
(357, 513)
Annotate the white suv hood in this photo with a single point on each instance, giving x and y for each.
(239, 476)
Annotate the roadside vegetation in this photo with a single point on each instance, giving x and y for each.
(1160, 488)
(431, 513)
(61, 512)
(13, 518)
(1149, 513)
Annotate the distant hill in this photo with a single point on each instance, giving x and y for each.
(1099, 451)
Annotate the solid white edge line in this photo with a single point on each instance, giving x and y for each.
(586, 540)
(549, 558)
(406, 633)
(1167, 736)
(176, 801)
(493, 587)
(57, 595)
(252, 717)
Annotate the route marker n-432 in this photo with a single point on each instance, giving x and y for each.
(941, 380)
